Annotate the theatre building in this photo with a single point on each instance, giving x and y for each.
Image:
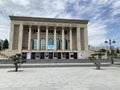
(49, 38)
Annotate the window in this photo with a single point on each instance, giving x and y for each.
(55, 54)
(58, 44)
(65, 44)
(34, 44)
(50, 42)
(43, 44)
(43, 31)
(66, 32)
(50, 31)
(35, 31)
(58, 32)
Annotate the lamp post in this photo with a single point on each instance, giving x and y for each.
(110, 42)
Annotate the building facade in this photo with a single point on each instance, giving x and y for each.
(1, 44)
(48, 38)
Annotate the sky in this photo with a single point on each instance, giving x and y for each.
(103, 16)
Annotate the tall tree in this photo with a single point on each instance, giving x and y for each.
(18, 59)
(5, 44)
(0, 47)
(117, 51)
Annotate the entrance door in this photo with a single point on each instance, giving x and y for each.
(42, 56)
(33, 56)
(50, 55)
(67, 55)
(59, 55)
(75, 55)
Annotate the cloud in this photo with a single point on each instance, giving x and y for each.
(116, 8)
(114, 15)
(100, 13)
(21, 2)
(97, 33)
(116, 5)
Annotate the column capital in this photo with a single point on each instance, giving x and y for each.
(63, 27)
(46, 27)
(30, 26)
(55, 27)
(70, 28)
(38, 26)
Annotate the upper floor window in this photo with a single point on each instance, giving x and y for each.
(65, 44)
(43, 44)
(50, 32)
(58, 32)
(34, 44)
(43, 31)
(35, 31)
(58, 44)
(50, 42)
(66, 32)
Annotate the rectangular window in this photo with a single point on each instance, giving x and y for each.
(55, 54)
(58, 32)
(43, 31)
(35, 31)
(50, 32)
(66, 32)
(35, 44)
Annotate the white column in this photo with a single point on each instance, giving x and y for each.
(46, 37)
(55, 38)
(62, 38)
(38, 38)
(70, 39)
(29, 39)
(11, 36)
(78, 39)
(20, 37)
(86, 38)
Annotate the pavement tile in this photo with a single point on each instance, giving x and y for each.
(61, 78)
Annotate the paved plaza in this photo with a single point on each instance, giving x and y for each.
(61, 78)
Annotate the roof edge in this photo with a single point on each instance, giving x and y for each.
(27, 18)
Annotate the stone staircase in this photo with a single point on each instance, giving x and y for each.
(5, 54)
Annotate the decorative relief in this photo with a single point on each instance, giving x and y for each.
(50, 24)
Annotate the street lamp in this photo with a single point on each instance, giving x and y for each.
(110, 42)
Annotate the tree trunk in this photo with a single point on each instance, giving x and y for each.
(98, 65)
(112, 62)
(16, 67)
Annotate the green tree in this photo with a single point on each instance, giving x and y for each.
(5, 44)
(117, 51)
(95, 58)
(0, 47)
(18, 59)
(102, 50)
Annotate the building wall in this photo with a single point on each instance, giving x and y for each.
(1, 43)
(25, 38)
(74, 39)
(79, 35)
(16, 37)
